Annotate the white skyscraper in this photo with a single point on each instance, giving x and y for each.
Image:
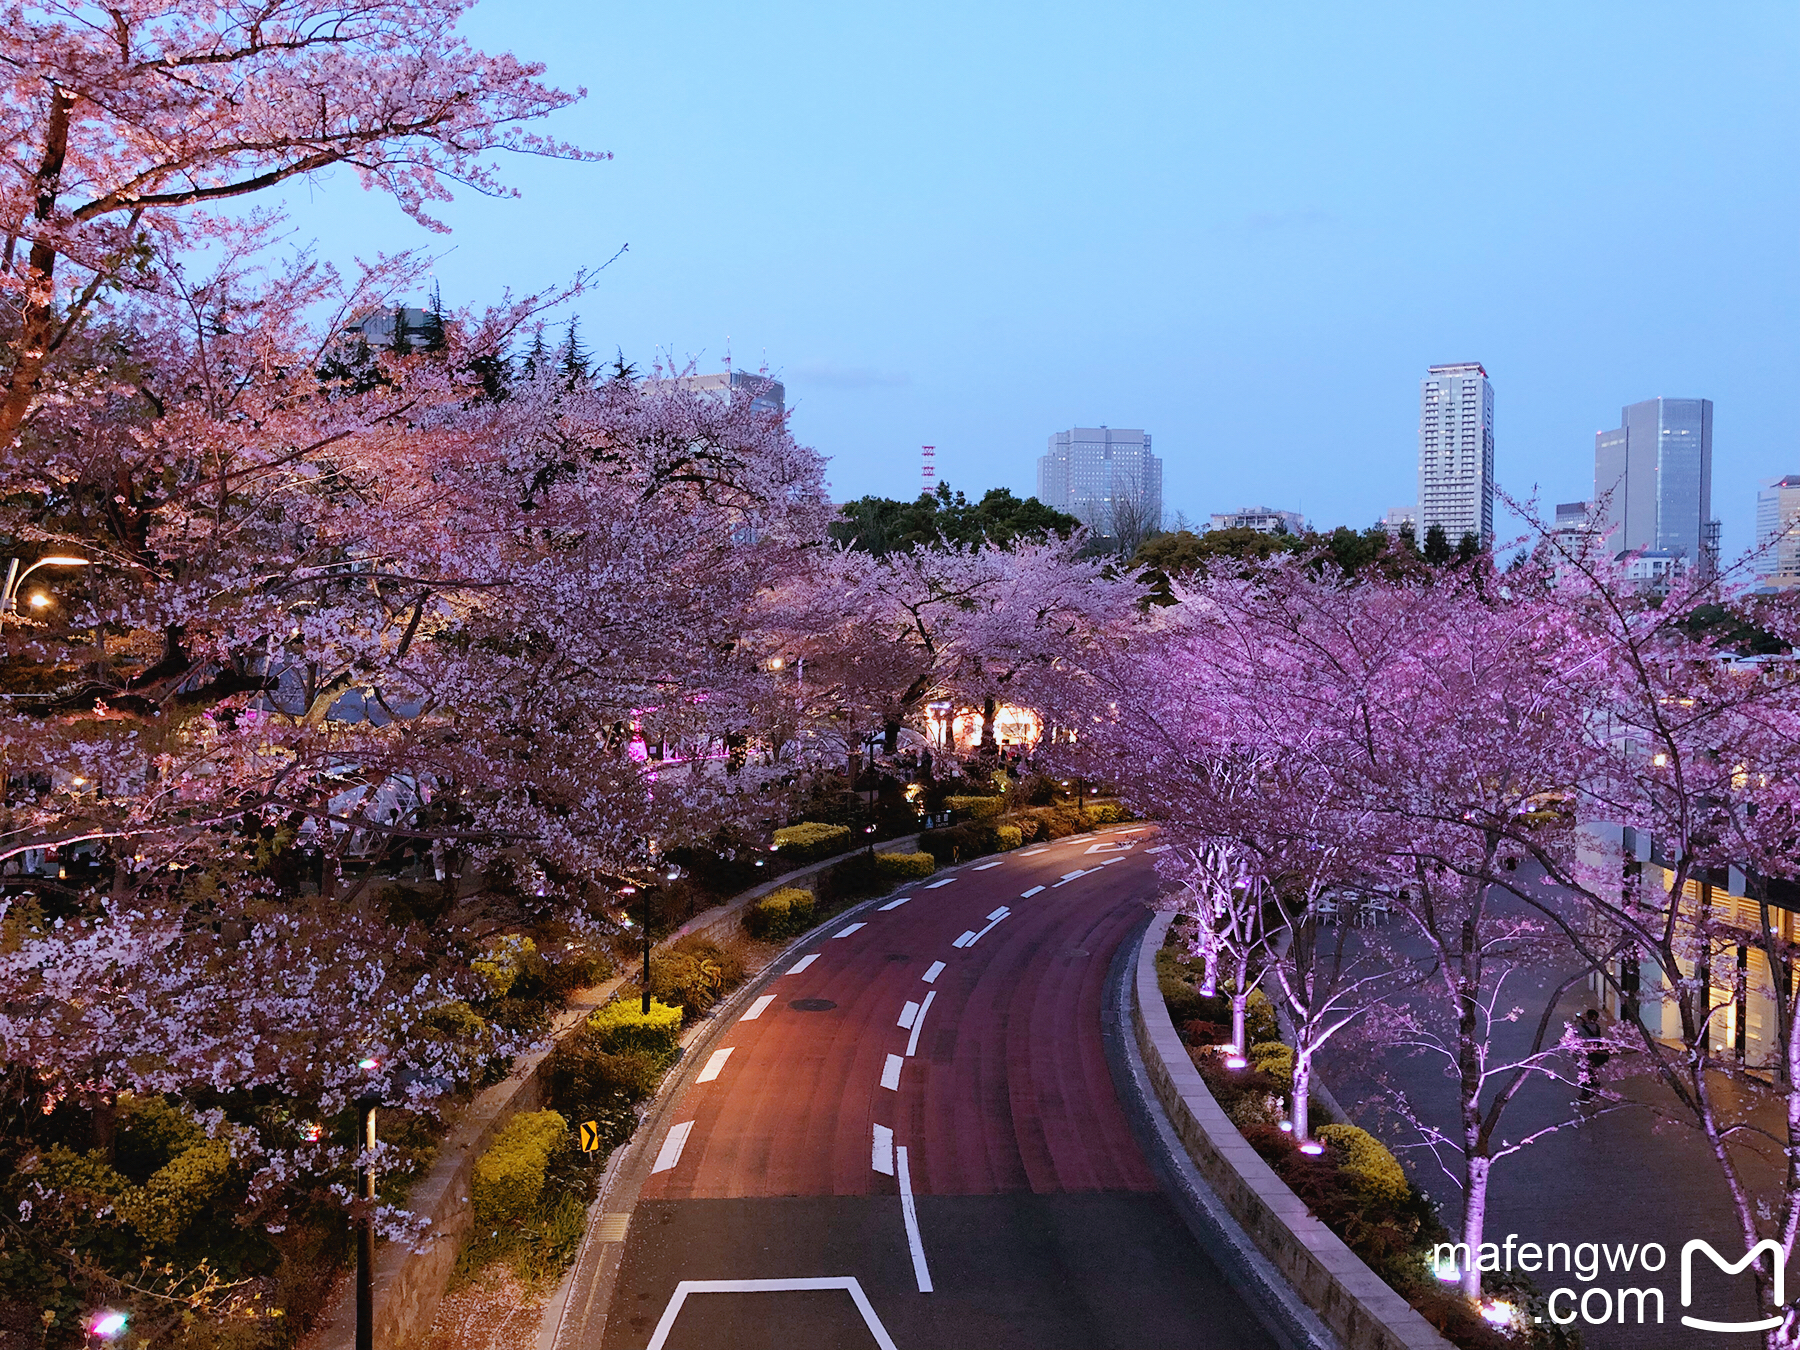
(1778, 532)
(1104, 476)
(1456, 452)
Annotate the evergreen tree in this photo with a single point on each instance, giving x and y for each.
(1437, 546)
(573, 360)
(435, 338)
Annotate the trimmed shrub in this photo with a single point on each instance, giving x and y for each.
(898, 867)
(1107, 813)
(1008, 836)
(810, 840)
(1037, 790)
(509, 1177)
(507, 958)
(1259, 1018)
(780, 915)
(958, 843)
(1274, 1058)
(622, 1026)
(855, 877)
(975, 808)
(695, 974)
(1366, 1163)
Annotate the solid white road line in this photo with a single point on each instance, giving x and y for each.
(908, 1014)
(670, 1153)
(1109, 862)
(802, 963)
(881, 1157)
(986, 867)
(945, 882)
(851, 929)
(1071, 876)
(912, 1041)
(993, 919)
(1034, 852)
(910, 1214)
(1160, 848)
(758, 1008)
(845, 1282)
(930, 976)
(965, 939)
(895, 904)
(890, 1073)
(714, 1064)
(1026, 895)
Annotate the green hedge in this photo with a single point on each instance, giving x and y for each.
(975, 808)
(810, 840)
(621, 1026)
(899, 867)
(509, 1177)
(1367, 1163)
(783, 914)
(1008, 836)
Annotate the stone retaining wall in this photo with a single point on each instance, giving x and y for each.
(1349, 1298)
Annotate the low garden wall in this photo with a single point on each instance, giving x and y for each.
(1352, 1300)
(409, 1284)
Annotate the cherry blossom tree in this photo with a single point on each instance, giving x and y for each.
(129, 125)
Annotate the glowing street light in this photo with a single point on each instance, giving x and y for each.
(108, 1323)
(9, 594)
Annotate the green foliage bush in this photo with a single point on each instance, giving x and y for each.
(622, 1026)
(509, 1177)
(975, 808)
(506, 958)
(810, 840)
(1366, 1162)
(846, 882)
(898, 867)
(958, 843)
(1274, 1058)
(779, 915)
(1037, 790)
(1008, 836)
(1260, 1023)
(695, 974)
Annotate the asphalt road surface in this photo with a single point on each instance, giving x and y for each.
(911, 1139)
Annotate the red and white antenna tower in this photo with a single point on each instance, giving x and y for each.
(928, 469)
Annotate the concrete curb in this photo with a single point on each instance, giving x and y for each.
(1349, 1298)
(409, 1284)
(1275, 1302)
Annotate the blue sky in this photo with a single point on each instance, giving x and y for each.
(1248, 227)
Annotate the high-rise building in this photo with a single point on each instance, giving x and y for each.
(1104, 476)
(1778, 532)
(765, 393)
(1653, 481)
(1262, 519)
(1456, 452)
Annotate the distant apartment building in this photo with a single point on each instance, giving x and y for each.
(1107, 477)
(765, 393)
(392, 327)
(1574, 529)
(1456, 452)
(1400, 518)
(1653, 481)
(1778, 532)
(1262, 519)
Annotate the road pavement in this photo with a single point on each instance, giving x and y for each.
(910, 1137)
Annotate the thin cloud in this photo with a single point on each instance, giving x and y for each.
(834, 376)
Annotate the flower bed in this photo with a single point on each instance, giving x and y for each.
(1355, 1186)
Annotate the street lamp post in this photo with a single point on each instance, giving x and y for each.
(365, 1230)
(9, 594)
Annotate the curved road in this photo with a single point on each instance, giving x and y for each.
(911, 1138)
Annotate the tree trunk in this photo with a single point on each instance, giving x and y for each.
(890, 737)
(1239, 998)
(1474, 1218)
(37, 319)
(1302, 1103)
